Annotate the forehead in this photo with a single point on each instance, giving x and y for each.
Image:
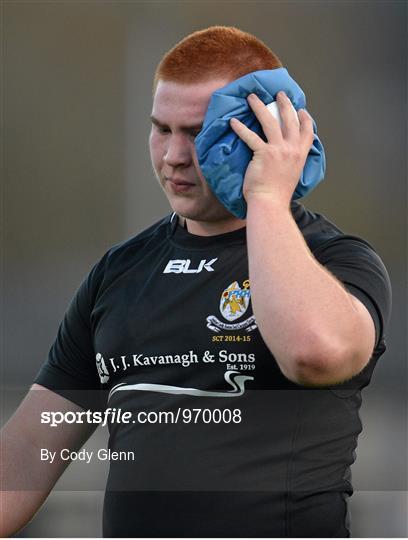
(180, 103)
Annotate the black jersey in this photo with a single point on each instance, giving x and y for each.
(163, 324)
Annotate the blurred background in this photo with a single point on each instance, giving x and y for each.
(77, 179)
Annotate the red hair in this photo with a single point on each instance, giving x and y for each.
(215, 52)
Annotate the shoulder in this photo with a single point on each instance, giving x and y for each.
(324, 237)
(123, 255)
(156, 232)
(316, 228)
(351, 259)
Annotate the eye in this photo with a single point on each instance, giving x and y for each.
(193, 134)
(163, 129)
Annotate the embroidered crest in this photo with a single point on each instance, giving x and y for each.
(235, 300)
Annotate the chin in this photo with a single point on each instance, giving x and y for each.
(202, 208)
(211, 214)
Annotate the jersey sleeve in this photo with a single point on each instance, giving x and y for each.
(70, 369)
(356, 264)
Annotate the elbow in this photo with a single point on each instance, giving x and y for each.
(324, 365)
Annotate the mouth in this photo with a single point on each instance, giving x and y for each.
(179, 184)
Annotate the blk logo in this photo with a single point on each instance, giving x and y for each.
(182, 266)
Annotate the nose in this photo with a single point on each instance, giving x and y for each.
(178, 153)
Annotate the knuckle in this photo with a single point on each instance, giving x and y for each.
(297, 155)
(269, 151)
(286, 153)
(310, 138)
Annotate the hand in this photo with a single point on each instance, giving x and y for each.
(277, 164)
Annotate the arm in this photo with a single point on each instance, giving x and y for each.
(318, 333)
(26, 481)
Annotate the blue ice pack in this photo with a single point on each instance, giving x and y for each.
(224, 158)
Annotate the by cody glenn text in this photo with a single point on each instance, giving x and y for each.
(86, 456)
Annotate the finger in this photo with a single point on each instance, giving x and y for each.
(245, 134)
(306, 129)
(269, 124)
(290, 121)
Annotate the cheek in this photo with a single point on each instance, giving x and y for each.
(196, 165)
(205, 186)
(156, 150)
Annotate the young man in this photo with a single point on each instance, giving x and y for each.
(255, 335)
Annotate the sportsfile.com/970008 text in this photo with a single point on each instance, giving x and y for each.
(117, 416)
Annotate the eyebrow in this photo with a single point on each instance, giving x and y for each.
(157, 122)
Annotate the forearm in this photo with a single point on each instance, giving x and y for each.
(25, 479)
(304, 314)
(24, 486)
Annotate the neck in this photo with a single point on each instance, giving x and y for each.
(212, 228)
